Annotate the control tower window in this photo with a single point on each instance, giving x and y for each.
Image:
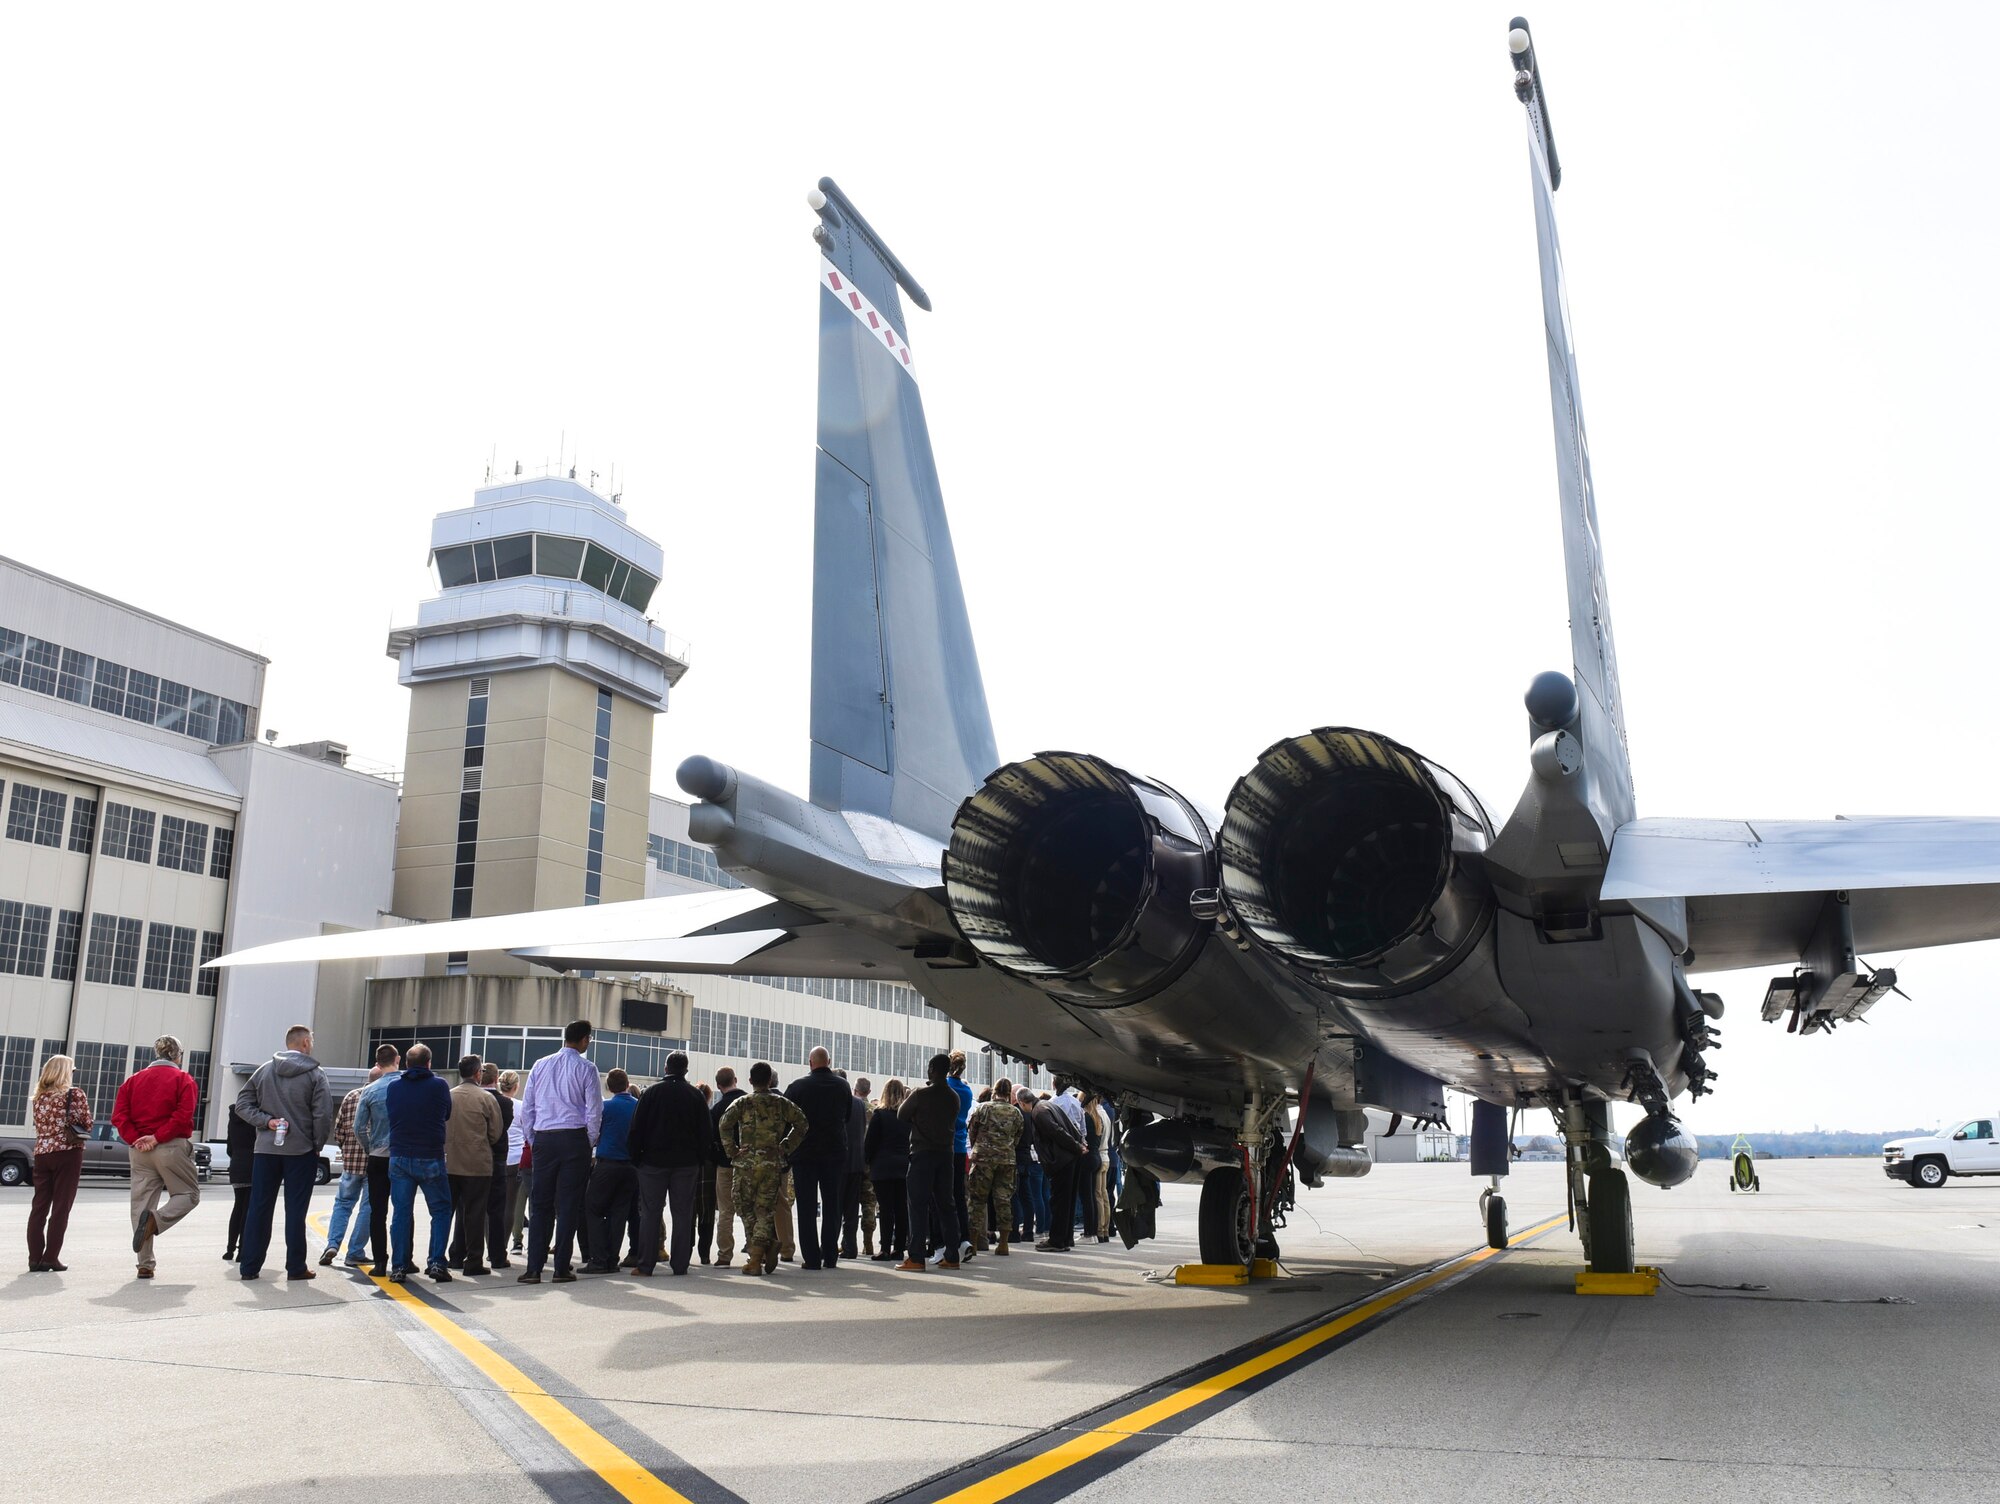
(455, 566)
(514, 556)
(638, 590)
(597, 567)
(559, 557)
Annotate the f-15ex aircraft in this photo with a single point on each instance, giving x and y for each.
(1354, 931)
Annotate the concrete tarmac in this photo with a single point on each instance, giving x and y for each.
(1861, 1370)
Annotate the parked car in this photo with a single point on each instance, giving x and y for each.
(1928, 1160)
(104, 1153)
(217, 1150)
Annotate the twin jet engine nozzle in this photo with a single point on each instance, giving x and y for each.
(1344, 855)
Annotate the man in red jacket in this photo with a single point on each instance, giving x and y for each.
(154, 1113)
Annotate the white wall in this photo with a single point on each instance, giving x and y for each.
(315, 853)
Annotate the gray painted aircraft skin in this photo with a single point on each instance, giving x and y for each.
(1353, 930)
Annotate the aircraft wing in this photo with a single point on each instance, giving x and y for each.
(1755, 890)
(691, 920)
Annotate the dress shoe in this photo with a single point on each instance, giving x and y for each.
(642, 1272)
(911, 1266)
(38, 1268)
(149, 1226)
(949, 1264)
(56, 1266)
(564, 1277)
(473, 1271)
(527, 1279)
(301, 1274)
(503, 1263)
(148, 1274)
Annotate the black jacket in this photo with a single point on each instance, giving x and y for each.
(823, 1097)
(1024, 1146)
(242, 1146)
(1055, 1137)
(888, 1146)
(671, 1128)
(932, 1113)
(715, 1111)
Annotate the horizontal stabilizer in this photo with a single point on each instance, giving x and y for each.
(1755, 890)
(644, 919)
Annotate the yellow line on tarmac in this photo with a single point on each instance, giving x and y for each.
(583, 1443)
(1088, 1444)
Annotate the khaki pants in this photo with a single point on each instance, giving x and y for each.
(167, 1168)
(726, 1214)
(1102, 1190)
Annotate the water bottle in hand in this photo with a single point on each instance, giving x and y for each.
(278, 1133)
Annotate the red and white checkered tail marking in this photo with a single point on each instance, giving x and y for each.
(872, 319)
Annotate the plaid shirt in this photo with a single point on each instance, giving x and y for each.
(353, 1153)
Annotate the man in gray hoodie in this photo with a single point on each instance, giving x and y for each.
(286, 1100)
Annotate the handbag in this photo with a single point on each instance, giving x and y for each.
(76, 1134)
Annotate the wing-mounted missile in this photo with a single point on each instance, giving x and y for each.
(1356, 862)
(1079, 877)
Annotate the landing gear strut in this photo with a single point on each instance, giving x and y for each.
(1600, 1195)
(1226, 1234)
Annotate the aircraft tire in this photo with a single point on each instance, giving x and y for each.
(1610, 1213)
(1225, 1207)
(1496, 1222)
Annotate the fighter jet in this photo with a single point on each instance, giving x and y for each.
(1352, 931)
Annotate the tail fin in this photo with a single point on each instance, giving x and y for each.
(899, 721)
(1601, 723)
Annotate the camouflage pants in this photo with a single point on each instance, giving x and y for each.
(990, 1182)
(757, 1187)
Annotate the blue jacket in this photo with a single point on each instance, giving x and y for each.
(419, 1103)
(613, 1137)
(959, 1142)
(371, 1117)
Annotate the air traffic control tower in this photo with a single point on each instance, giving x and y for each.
(534, 676)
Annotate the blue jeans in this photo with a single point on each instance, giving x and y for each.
(1038, 1196)
(405, 1175)
(295, 1172)
(349, 1202)
(1024, 1198)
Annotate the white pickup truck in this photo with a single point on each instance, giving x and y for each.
(1967, 1148)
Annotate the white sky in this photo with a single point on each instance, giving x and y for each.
(1236, 376)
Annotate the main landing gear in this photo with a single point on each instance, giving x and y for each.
(1227, 1236)
(1600, 1195)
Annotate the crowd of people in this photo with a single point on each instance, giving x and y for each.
(575, 1173)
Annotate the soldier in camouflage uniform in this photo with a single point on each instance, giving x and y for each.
(759, 1133)
(992, 1131)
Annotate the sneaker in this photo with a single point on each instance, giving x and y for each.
(351, 1262)
(965, 1250)
(935, 1257)
(326, 1256)
(911, 1266)
(438, 1273)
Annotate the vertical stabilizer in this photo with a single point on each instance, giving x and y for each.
(899, 721)
(1600, 725)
